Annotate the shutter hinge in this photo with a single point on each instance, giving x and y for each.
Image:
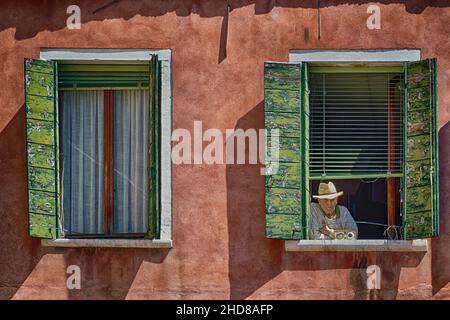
(296, 230)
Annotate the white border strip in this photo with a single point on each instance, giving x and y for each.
(420, 245)
(401, 55)
(166, 149)
(107, 243)
(165, 56)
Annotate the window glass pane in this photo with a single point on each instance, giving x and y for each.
(131, 127)
(82, 161)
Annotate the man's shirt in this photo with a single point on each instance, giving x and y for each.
(341, 220)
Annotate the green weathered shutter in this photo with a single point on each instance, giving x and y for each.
(286, 190)
(154, 149)
(420, 180)
(42, 147)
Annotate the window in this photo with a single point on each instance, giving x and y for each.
(356, 141)
(103, 129)
(370, 130)
(94, 148)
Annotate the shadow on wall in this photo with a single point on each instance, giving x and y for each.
(109, 273)
(255, 260)
(105, 273)
(15, 262)
(56, 16)
(440, 258)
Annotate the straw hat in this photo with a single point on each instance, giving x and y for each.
(328, 191)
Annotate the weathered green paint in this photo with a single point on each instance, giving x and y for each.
(41, 202)
(39, 131)
(419, 74)
(418, 68)
(42, 226)
(418, 122)
(289, 149)
(40, 84)
(281, 200)
(154, 149)
(419, 98)
(40, 108)
(283, 226)
(42, 147)
(282, 111)
(418, 147)
(282, 76)
(420, 166)
(40, 155)
(40, 66)
(41, 179)
(282, 100)
(418, 173)
(419, 224)
(287, 123)
(288, 176)
(419, 81)
(418, 199)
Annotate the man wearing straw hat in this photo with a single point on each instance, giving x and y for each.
(328, 218)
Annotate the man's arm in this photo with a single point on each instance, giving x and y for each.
(315, 225)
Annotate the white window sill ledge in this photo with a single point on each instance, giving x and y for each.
(357, 245)
(107, 243)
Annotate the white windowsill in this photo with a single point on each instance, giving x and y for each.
(107, 243)
(357, 245)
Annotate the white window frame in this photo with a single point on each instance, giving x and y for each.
(119, 56)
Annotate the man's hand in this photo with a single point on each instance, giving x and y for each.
(327, 231)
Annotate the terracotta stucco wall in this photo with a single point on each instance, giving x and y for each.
(218, 210)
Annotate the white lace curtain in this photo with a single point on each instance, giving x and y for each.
(82, 146)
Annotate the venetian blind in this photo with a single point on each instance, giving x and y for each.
(355, 124)
(103, 76)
